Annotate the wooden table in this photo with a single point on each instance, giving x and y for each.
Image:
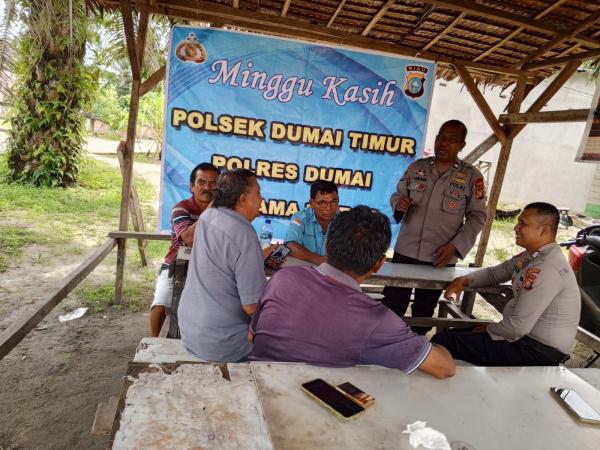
(260, 405)
(391, 274)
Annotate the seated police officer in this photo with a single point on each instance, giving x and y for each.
(539, 324)
(307, 235)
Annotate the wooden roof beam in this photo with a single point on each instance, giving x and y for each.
(544, 98)
(481, 103)
(336, 13)
(285, 8)
(566, 115)
(592, 19)
(470, 7)
(444, 32)
(377, 16)
(203, 11)
(152, 80)
(518, 31)
(562, 60)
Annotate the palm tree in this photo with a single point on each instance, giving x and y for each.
(46, 125)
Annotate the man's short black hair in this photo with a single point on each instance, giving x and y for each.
(457, 123)
(231, 184)
(548, 212)
(322, 186)
(205, 167)
(358, 238)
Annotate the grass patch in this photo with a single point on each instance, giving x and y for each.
(12, 241)
(137, 295)
(95, 200)
(501, 254)
(504, 225)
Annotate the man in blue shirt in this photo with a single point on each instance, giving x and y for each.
(307, 235)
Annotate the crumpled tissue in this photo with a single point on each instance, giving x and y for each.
(426, 436)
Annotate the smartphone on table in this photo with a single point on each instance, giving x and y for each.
(333, 399)
(576, 405)
(277, 257)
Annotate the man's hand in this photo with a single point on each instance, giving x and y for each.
(443, 255)
(268, 250)
(403, 204)
(320, 260)
(455, 288)
(481, 328)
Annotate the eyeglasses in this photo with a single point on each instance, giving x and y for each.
(208, 183)
(323, 203)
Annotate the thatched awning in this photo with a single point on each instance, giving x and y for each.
(497, 40)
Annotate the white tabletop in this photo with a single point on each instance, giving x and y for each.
(488, 408)
(413, 275)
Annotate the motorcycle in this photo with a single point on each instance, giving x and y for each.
(584, 258)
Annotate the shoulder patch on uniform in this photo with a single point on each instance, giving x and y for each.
(297, 222)
(479, 188)
(530, 277)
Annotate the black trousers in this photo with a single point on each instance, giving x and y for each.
(481, 350)
(397, 298)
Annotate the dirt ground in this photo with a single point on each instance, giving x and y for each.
(51, 383)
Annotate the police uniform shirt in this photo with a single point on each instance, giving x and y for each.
(306, 231)
(445, 209)
(546, 303)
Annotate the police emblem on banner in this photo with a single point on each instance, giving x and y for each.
(190, 50)
(414, 85)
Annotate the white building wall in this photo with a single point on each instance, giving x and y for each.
(541, 165)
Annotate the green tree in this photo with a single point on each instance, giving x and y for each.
(47, 127)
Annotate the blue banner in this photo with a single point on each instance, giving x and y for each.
(293, 112)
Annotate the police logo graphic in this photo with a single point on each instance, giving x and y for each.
(190, 50)
(414, 86)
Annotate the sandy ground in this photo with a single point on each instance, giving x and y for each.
(51, 383)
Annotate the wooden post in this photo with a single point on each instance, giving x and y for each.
(136, 68)
(514, 106)
(136, 211)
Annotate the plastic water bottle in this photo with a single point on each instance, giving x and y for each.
(266, 234)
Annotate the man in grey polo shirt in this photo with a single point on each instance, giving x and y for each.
(226, 272)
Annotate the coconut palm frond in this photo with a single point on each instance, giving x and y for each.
(8, 42)
(107, 44)
(593, 67)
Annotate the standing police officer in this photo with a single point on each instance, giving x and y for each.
(440, 201)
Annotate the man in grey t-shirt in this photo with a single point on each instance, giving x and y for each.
(539, 324)
(226, 272)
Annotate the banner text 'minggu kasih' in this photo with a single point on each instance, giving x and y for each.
(282, 88)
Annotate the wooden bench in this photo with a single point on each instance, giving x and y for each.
(590, 340)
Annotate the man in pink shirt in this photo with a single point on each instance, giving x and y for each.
(184, 215)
